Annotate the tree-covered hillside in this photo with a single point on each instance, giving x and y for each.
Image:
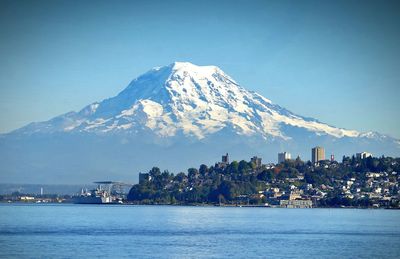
(352, 182)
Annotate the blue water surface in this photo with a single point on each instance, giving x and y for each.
(116, 231)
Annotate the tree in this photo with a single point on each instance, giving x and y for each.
(192, 173)
(228, 189)
(266, 175)
(203, 170)
(243, 167)
(154, 172)
(233, 168)
(180, 177)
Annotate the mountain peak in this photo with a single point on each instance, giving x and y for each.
(190, 67)
(182, 69)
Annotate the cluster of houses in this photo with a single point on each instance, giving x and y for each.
(379, 187)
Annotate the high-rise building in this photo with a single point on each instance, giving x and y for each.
(317, 154)
(282, 157)
(363, 155)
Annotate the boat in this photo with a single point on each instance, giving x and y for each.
(96, 196)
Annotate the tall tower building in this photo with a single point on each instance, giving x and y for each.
(317, 154)
(225, 159)
(282, 157)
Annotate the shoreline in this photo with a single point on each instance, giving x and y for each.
(191, 205)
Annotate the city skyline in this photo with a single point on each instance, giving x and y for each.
(340, 57)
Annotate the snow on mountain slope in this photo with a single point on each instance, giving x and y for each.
(197, 101)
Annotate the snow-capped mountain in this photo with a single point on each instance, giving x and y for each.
(195, 100)
(185, 109)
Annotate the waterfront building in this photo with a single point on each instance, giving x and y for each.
(317, 154)
(282, 157)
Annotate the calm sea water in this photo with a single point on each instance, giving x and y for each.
(70, 231)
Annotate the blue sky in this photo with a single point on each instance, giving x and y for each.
(337, 61)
